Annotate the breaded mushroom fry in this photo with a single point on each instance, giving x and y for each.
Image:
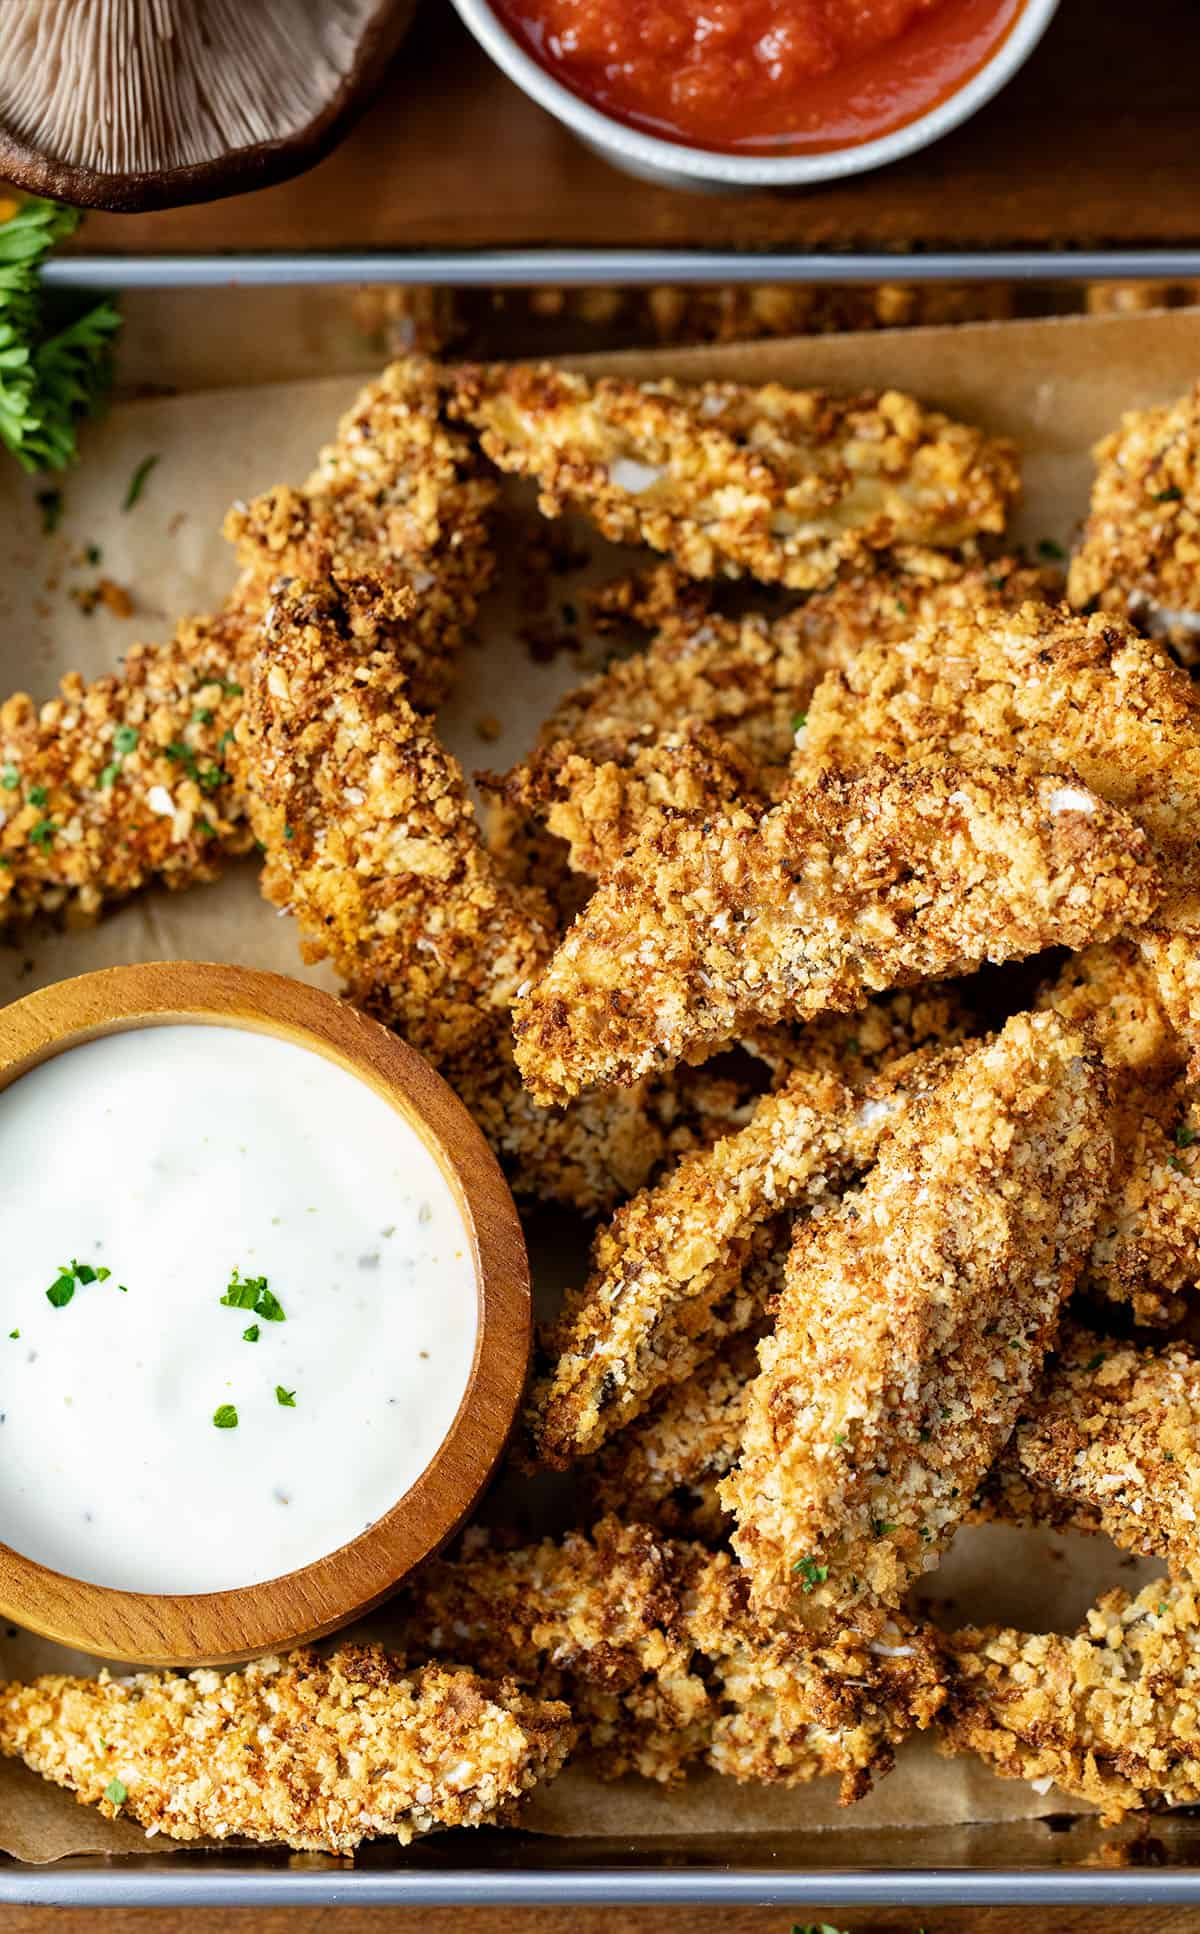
(913, 1323)
(791, 486)
(847, 887)
(1111, 1715)
(315, 1753)
(655, 1648)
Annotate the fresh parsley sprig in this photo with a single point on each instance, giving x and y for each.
(55, 352)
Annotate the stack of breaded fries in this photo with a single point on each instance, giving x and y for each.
(837, 950)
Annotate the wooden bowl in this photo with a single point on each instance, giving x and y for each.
(220, 1627)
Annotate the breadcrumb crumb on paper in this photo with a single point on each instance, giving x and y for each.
(316, 1753)
(791, 486)
(913, 1323)
(1110, 1715)
(849, 886)
(1139, 552)
(655, 1648)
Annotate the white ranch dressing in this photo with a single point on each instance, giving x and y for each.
(172, 1157)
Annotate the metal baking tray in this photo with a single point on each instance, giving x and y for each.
(1059, 1860)
(526, 268)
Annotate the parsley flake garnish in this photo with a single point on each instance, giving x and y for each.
(285, 1397)
(1171, 495)
(1049, 549)
(137, 483)
(881, 1527)
(43, 833)
(37, 795)
(1095, 1361)
(14, 1333)
(1173, 1161)
(230, 688)
(839, 1436)
(799, 721)
(117, 1792)
(10, 778)
(202, 715)
(251, 1293)
(108, 775)
(1184, 1136)
(124, 739)
(251, 1334)
(225, 1416)
(811, 1573)
(62, 1289)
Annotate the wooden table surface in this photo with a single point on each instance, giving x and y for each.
(1094, 142)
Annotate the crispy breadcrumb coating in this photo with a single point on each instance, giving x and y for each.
(789, 485)
(1139, 553)
(681, 1266)
(314, 1752)
(123, 781)
(850, 885)
(1114, 1433)
(749, 678)
(1075, 695)
(399, 497)
(1111, 1715)
(664, 1468)
(1147, 1243)
(371, 841)
(913, 1323)
(654, 1647)
(601, 808)
(126, 780)
(371, 838)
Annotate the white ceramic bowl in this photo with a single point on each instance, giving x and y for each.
(676, 166)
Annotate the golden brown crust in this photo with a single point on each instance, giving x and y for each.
(790, 485)
(311, 1752)
(751, 678)
(397, 496)
(1076, 695)
(371, 840)
(654, 1647)
(693, 1260)
(849, 886)
(1146, 1249)
(664, 1468)
(1139, 553)
(371, 837)
(126, 780)
(1110, 1715)
(1115, 1435)
(913, 1322)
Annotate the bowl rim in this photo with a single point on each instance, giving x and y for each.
(648, 152)
(223, 1627)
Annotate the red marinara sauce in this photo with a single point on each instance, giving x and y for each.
(762, 76)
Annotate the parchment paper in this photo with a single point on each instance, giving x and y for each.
(1055, 386)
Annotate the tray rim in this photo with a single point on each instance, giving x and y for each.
(104, 1885)
(524, 268)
